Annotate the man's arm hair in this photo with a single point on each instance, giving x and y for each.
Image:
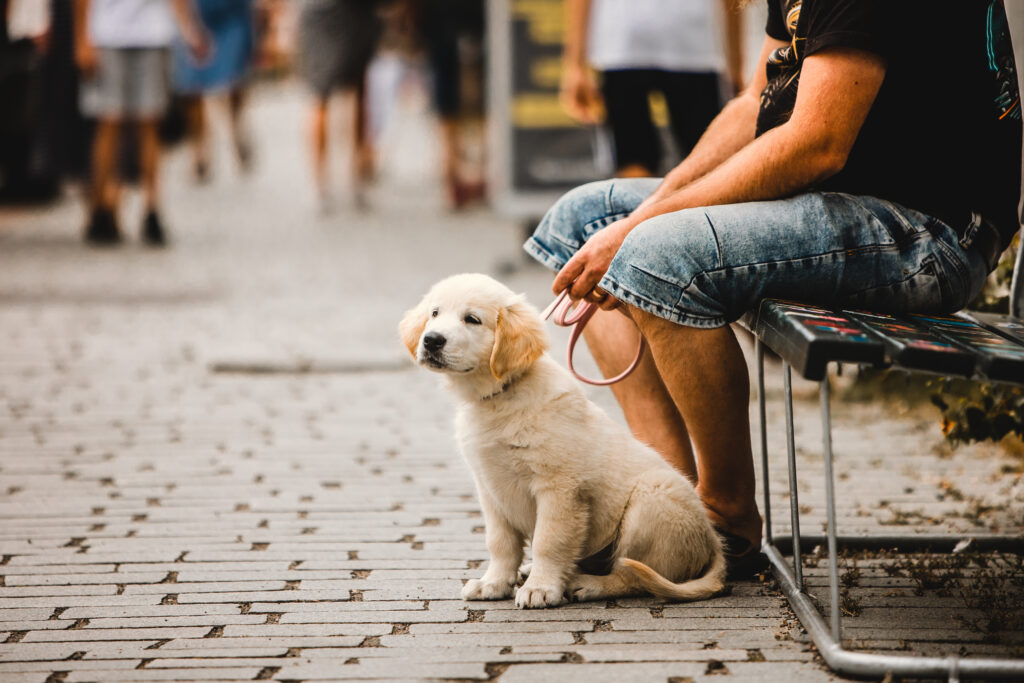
(729, 132)
(836, 91)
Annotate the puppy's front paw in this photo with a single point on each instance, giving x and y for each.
(535, 594)
(479, 589)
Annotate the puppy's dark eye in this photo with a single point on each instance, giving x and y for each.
(471, 319)
(433, 313)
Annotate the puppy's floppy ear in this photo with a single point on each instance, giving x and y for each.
(411, 327)
(519, 340)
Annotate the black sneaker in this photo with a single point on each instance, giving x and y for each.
(744, 559)
(102, 228)
(153, 231)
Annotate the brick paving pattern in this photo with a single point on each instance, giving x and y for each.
(217, 464)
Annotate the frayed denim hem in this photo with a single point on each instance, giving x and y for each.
(535, 249)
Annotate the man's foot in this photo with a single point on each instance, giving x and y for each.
(153, 231)
(743, 557)
(102, 228)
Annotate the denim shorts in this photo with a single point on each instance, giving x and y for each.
(705, 267)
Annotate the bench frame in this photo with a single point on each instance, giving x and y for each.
(828, 637)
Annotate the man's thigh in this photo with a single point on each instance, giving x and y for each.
(705, 267)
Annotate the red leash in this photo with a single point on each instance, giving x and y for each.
(577, 317)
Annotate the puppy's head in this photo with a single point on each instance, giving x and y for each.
(471, 323)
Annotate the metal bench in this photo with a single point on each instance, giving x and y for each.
(809, 338)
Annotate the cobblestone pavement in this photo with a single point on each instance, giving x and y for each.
(217, 464)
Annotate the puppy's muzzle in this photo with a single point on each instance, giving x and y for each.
(433, 342)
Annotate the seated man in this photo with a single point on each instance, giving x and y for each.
(874, 162)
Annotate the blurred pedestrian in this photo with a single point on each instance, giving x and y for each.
(231, 25)
(27, 156)
(122, 48)
(450, 28)
(645, 46)
(337, 40)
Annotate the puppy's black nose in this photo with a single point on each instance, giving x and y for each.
(434, 341)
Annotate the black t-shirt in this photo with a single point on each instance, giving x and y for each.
(944, 134)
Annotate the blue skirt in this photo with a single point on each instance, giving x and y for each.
(230, 24)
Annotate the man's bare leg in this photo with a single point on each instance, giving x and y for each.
(646, 403)
(706, 375)
(318, 143)
(149, 162)
(102, 192)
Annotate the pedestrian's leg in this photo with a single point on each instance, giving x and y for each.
(693, 100)
(648, 407)
(102, 223)
(361, 133)
(626, 96)
(149, 162)
(239, 133)
(198, 129)
(318, 140)
(103, 190)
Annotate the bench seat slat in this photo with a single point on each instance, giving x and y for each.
(810, 337)
(912, 345)
(1001, 359)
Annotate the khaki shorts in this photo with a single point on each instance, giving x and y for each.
(128, 83)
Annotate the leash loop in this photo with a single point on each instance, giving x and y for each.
(564, 313)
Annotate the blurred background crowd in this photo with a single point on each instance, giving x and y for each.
(528, 97)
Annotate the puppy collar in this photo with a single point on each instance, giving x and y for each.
(504, 387)
(500, 390)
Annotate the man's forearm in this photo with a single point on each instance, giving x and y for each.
(81, 20)
(577, 28)
(778, 164)
(187, 17)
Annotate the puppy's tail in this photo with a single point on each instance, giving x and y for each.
(711, 583)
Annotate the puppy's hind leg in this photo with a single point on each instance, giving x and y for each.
(621, 582)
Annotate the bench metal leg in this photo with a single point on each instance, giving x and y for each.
(827, 638)
(764, 442)
(830, 506)
(794, 503)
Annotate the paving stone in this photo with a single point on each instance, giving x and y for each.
(315, 630)
(601, 673)
(67, 635)
(69, 665)
(479, 639)
(264, 596)
(158, 610)
(385, 668)
(190, 674)
(351, 617)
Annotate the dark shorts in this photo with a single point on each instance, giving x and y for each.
(692, 99)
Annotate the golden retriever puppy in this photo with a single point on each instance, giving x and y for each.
(551, 468)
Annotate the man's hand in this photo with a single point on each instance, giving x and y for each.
(199, 45)
(579, 95)
(588, 265)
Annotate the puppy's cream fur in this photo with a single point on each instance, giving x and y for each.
(550, 467)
